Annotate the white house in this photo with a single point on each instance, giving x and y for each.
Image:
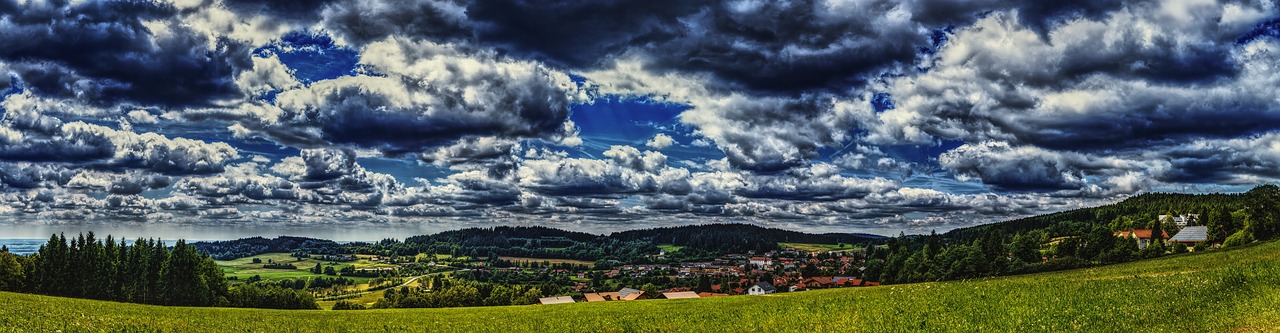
(761, 288)
(761, 261)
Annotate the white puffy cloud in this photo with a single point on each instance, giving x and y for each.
(267, 74)
(660, 141)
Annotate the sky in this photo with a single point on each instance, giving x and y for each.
(369, 119)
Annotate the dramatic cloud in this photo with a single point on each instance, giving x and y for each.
(830, 115)
(29, 133)
(1136, 77)
(419, 95)
(117, 51)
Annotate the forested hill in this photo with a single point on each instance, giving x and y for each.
(244, 247)
(501, 236)
(705, 240)
(736, 237)
(1224, 214)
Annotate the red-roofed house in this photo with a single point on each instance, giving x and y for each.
(1142, 236)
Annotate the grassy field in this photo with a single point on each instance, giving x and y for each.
(540, 260)
(670, 248)
(817, 247)
(1234, 290)
(243, 268)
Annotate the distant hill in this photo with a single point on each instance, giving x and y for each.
(734, 237)
(536, 241)
(244, 247)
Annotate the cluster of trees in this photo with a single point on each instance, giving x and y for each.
(319, 282)
(455, 293)
(269, 296)
(344, 305)
(145, 271)
(276, 265)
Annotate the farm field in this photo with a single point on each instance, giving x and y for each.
(243, 268)
(1236, 290)
(817, 247)
(670, 248)
(553, 261)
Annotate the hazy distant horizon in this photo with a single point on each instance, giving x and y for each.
(341, 233)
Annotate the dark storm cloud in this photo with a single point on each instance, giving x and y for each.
(579, 33)
(102, 51)
(784, 46)
(769, 45)
(366, 21)
(1246, 160)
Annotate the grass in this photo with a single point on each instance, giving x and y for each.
(817, 247)
(668, 248)
(1235, 290)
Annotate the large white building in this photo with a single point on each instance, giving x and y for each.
(1182, 221)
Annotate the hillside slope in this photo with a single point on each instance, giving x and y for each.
(1225, 291)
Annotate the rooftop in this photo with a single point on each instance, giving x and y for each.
(1191, 234)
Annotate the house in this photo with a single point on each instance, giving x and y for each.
(555, 300)
(680, 294)
(761, 261)
(601, 297)
(1191, 235)
(1142, 236)
(630, 294)
(761, 288)
(820, 282)
(707, 294)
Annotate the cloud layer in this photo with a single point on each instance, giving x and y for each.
(832, 115)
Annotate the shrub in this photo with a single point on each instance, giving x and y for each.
(1239, 238)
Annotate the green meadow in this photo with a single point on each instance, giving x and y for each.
(817, 247)
(243, 268)
(1235, 290)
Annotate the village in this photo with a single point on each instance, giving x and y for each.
(788, 270)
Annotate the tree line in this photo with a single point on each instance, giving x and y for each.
(146, 271)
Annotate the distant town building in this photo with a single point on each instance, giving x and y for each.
(761, 261)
